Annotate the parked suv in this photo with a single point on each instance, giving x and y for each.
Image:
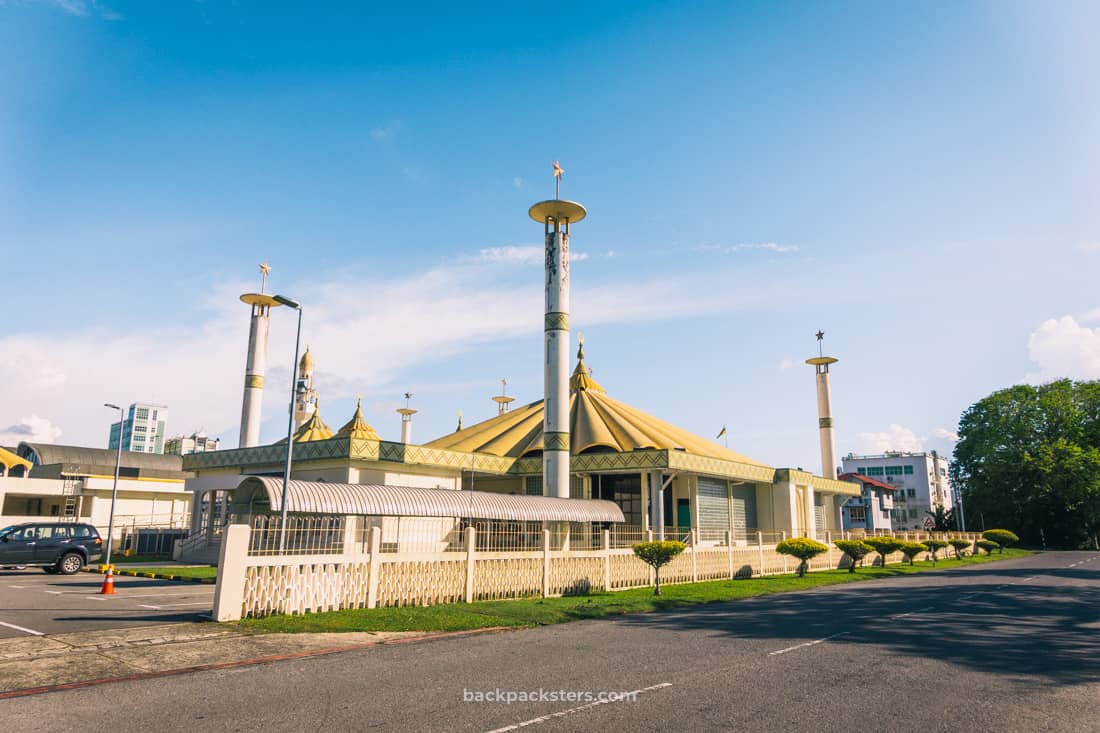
(54, 546)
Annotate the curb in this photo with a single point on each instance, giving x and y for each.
(28, 691)
(154, 576)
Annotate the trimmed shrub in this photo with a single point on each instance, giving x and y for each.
(934, 546)
(1002, 537)
(803, 548)
(856, 550)
(884, 546)
(988, 545)
(960, 545)
(656, 555)
(912, 549)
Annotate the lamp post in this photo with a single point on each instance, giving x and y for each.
(114, 489)
(290, 418)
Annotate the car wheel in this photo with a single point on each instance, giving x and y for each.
(70, 563)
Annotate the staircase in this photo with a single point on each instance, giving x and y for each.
(201, 549)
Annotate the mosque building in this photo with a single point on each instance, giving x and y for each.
(577, 444)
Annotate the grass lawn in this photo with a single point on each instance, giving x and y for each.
(543, 611)
(202, 571)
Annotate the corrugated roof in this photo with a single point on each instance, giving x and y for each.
(48, 454)
(318, 497)
(10, 460)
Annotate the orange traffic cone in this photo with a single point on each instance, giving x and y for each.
(108, 588)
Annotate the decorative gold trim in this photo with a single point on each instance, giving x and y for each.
(555, 441)
(253, 381)
(824, 422)
(557, 321)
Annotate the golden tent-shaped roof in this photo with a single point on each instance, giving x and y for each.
(312, 429)
(596, 422)
(357, 427)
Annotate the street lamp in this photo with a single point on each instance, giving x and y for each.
(290, 416)
(114, 490)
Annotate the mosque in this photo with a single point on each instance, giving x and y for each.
(575, 455)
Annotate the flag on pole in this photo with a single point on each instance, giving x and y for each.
(720, 433)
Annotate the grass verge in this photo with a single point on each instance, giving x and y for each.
(204, 572)
(544, 611)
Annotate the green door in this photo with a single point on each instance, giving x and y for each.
(683, 517)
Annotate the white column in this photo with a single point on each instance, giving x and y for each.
(555, 454)
(255, 366)
(825, 422)
(811, 515)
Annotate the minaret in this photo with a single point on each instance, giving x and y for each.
(556, 216)
(305, 401)
(406, 413)
(824, 408)
(503, 399)
(256, 362)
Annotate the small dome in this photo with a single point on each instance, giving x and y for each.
(306, 364)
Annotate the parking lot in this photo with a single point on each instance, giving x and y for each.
(34, 603)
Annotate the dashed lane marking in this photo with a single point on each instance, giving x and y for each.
(808, 643)
(24, 629)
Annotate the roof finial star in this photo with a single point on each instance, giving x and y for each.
(820, 335)
(558, 173)
(265, 270)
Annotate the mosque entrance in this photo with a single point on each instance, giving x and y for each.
(625, 490)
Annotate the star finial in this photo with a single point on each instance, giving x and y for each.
(820, 335)
(264, 272)
(558, 172)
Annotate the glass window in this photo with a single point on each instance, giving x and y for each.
(857, 514)
(908, 470)
(82, 530)
(912, 513)
(873, 471)
(911, 492)
(56, 533)
(894, 470)
(533, 486)
(142, 413)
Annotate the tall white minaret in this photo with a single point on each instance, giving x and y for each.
(556, 216)
(406, 414)
(824, 408)
(305, 400)
(256, 362)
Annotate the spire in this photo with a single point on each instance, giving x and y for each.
(459, 428)
(314, 429)
(582, 376)
(357, 427)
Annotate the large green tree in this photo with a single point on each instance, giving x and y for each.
(1028, 458)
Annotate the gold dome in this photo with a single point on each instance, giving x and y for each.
(306, 364)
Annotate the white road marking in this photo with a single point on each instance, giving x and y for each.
(155, 608)
(570, 711)
(21, 628)
(55, 592)
(20, 587)
(910, 613)
(808, 643)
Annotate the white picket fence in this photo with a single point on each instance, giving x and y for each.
(359, 574)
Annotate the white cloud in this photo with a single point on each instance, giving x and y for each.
(769, 246)
(1088, 248)
(364, 332)
(1092, 316)
(33, 429)
(786, 363)
(945, 434)
(528, 254)
(82, 8)
(1062, 348)
(382, 133)
(517, 182)
(894, 438)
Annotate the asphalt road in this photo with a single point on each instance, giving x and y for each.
(1004, 646)
(32, 602)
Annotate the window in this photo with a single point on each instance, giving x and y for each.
(912, 513)
(533, 486)
(873, 471)
(885, 514)
(908, 470)
(142, 413)
(857, 514)
(943, 472)
(894, 470)
(911, 492)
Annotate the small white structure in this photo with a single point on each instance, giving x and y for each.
(920, 480)
(183, 445)
(873, 509)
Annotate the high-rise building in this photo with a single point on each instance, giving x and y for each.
(142, 429)
(183, 445)
(919, 479)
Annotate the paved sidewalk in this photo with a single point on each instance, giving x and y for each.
(79, 657)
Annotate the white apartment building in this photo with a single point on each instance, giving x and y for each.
(183, 445)
(142, 429)
(920, 481)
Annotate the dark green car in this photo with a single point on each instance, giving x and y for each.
(56, 547)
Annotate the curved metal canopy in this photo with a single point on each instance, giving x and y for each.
(319, 497)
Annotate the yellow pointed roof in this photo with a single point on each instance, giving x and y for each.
(10, 460)
(596, 421)
(582, 375)
(357, 427)
(313, 429)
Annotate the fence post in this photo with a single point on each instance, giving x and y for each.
(373, 566)
(760, 547)
(351, 531)
(545, 563)
(606, 541)
(829, 544)
(232, 568)
(782, 537)
(471, 544)
(694, 543)
(729, 550)
(649, 535)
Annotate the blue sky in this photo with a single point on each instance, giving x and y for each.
(920, 181)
